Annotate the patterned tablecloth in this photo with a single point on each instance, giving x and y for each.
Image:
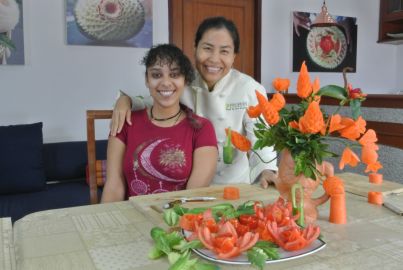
(116, 236)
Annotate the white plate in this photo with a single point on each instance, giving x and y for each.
(396, 35)
(242, 259)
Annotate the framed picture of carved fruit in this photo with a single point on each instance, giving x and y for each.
(324, 47)
(123, 23)
(11, 33)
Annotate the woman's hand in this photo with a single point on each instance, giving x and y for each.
(267, 177)
(121, 113)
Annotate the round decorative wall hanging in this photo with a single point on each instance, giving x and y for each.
(326, 46)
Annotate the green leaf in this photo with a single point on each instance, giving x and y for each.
(191, 244)
(355, 106)
(156, 232)
(270, 248)
(180, 210)
(170, 217)
(333, 91)
(183, 263)
(257, 257)
(155, 253)
(6, 41)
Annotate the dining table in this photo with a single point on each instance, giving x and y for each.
(117, 235)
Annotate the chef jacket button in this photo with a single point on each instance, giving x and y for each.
(220, 173)
(221, 118)
(221, 95)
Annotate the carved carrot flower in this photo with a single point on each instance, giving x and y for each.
(335, 123)
(348, 157)
(304, 88)
(280, 84)
(270, 114)
(312, 122)
(254, 111)
(239, 141)
(353, 129)
(369, 138)
(277, 101)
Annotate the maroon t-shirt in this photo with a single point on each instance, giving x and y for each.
(159, 159)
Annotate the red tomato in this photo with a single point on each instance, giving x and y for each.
(187, 221)
(249, 220)
(223, 244)
(211, 224)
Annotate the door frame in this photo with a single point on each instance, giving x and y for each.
(258, 31)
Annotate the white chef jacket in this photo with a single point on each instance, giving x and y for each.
(225, 107)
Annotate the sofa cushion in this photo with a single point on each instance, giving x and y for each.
(64, 161)
(21, 162)
(61, 195)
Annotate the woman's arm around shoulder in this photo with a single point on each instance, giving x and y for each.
(115, 186)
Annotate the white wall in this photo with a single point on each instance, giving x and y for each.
(376, 63)
(399, 68)
(59, 83)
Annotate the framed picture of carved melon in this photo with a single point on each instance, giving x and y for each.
(123, 23)
(324, 48)
(11, 33)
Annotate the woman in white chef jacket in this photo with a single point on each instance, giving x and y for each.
(221, 94)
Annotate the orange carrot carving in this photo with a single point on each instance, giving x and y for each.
(375, 197)
(348, 157)
(280, 84)
(239, 141)
(312, 121)
(334, 187)
(277, 101)
(304, 88)
(375, 178)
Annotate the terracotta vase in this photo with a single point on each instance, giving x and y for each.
(286, 179)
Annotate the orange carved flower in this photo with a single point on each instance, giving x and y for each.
(348, 157)
(335, 123)
(353, 129)
(280, 84)
(239, 141)
(277, 101)
(253, 111)
(312, 121)
(270, 114)
(369, 138)
(304, 88)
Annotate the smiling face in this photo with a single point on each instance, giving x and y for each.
(214, 55)
(166, 85)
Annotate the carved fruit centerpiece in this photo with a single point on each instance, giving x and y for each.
(302, 133)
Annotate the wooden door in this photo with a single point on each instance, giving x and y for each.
(186, 15)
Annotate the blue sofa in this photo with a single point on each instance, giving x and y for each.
(64, 166)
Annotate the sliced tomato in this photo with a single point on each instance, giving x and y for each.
(242, 229)
(205, 237)
(187, 221)
(223, 244)
(233, 253)
(249, 220)
(250, 243)
(211, 224)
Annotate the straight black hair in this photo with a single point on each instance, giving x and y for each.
(218, 23)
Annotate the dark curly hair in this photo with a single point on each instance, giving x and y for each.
(218, 23)
(169, 54)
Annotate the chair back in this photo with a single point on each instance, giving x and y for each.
(93, 115)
